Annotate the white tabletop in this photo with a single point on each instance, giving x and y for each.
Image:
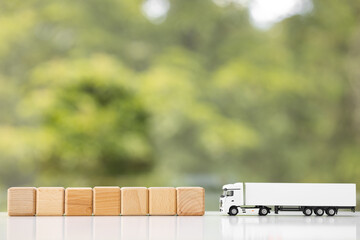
(211, 226)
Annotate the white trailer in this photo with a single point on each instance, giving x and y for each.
(306, 197)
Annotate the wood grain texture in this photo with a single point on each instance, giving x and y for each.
(162, 201)
(21, 201)
(50, 201)
(106, 201)
(134, 201)
(78, 201)
(190, 201)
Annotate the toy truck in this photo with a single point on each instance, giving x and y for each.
(318, 198)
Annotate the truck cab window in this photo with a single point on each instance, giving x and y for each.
(230, 193)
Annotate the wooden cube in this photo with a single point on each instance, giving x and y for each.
(162, 201)
(106, 201)
(50, 201)
(21, 201)
(78, 201)
(190, 201)
(134, 201)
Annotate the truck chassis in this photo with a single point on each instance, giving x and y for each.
(306, 210)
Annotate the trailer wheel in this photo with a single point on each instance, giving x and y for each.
(233, 211)
(330, 211)
(263, 211)
(307, 211)
(319, 211)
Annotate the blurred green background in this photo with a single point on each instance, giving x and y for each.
(178, 92)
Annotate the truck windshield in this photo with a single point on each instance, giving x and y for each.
(230, 193)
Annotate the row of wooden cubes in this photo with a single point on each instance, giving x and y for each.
(106, 201)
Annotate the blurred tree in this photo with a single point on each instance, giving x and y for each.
(84, 119)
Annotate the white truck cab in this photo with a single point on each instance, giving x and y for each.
(233, 195)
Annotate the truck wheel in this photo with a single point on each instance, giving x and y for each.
(233, 211)
(331, 211)
(263, 211)
(319, 211)
(307, 211)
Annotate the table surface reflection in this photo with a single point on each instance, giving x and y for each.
(211, 226)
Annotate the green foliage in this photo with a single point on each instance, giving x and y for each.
(81, 118)
(93, 93)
